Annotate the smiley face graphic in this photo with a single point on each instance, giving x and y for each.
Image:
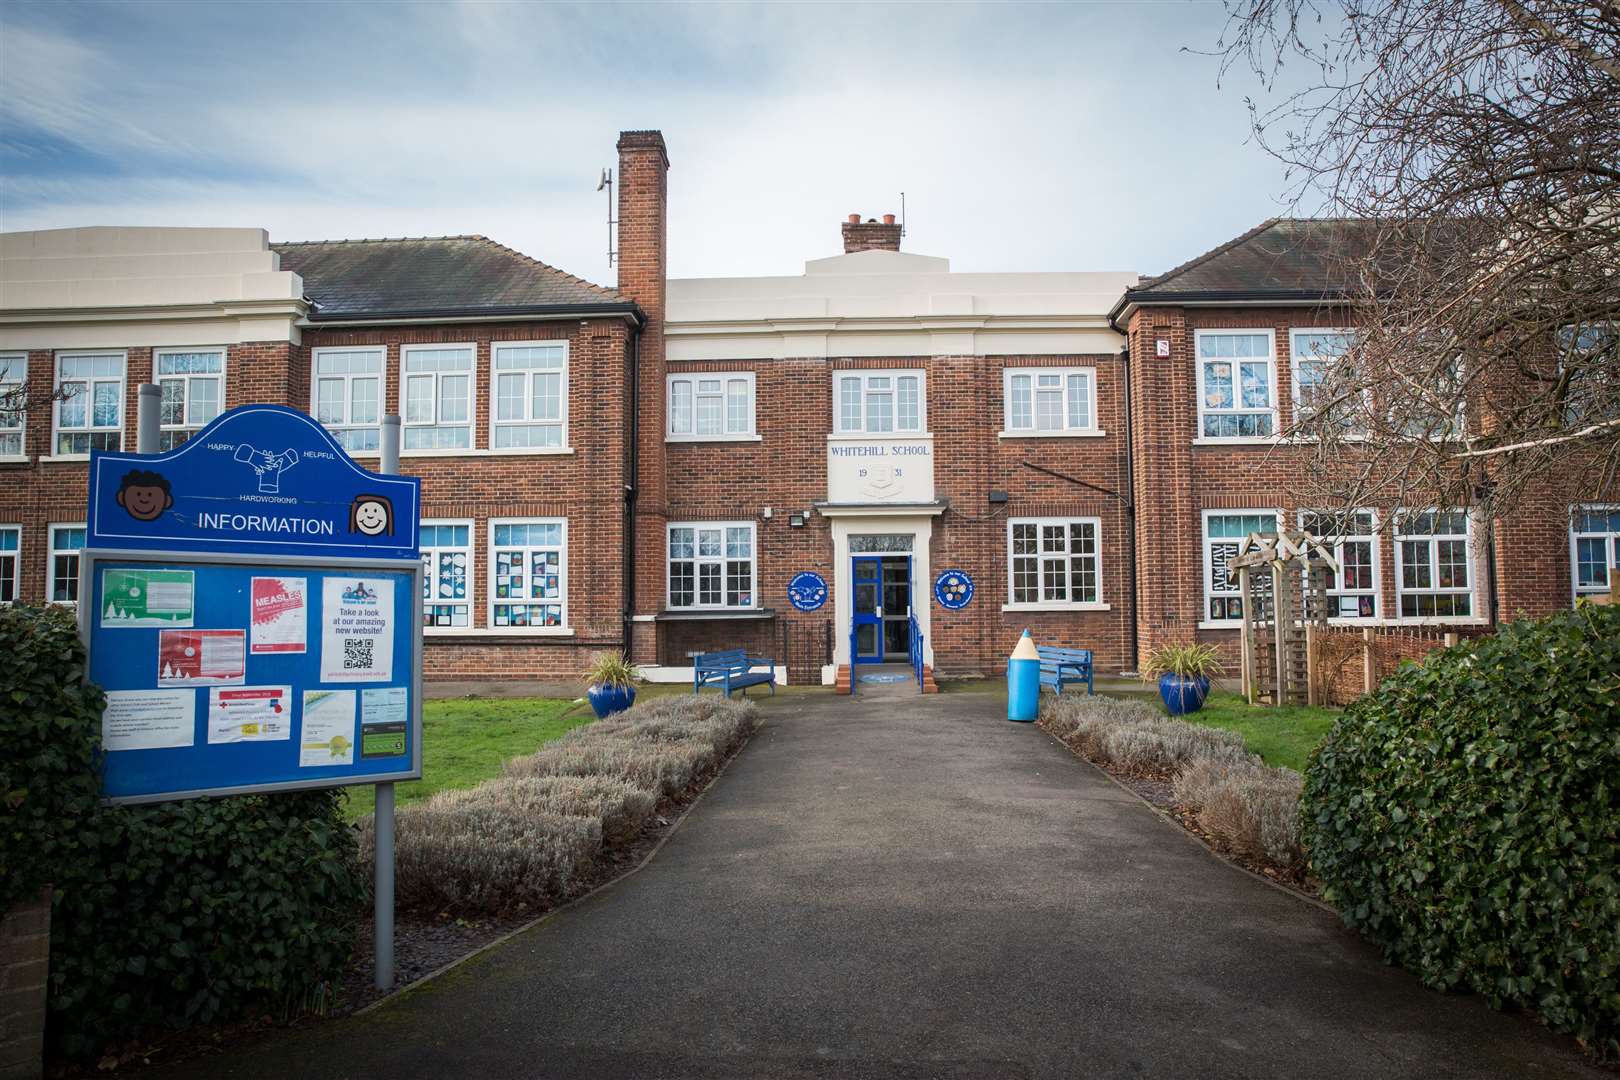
(144, 494)
(371, 515)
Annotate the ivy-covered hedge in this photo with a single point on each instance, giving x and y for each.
(166, 915)
(1466, 818)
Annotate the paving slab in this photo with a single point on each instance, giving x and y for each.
(911, 887)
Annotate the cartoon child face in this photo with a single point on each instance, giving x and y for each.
(144, 494)
(371, 515)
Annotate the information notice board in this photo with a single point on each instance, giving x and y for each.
(222, 677)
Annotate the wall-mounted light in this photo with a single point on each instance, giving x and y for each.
(796, 521)
(998, 498)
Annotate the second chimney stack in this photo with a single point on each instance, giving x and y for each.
(871, 234)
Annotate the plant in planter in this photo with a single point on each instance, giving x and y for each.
(610, 684)
(1183, 672)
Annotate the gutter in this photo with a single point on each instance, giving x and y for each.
(1130, 510)
(627, 310)
(1126, 304)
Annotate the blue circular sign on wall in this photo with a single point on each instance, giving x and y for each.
(953, 589)
(807, 591)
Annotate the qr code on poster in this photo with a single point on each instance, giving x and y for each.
(357, 654)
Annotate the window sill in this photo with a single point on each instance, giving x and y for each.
(70, 457)
(712, 438)
(14, 459)
(1221, 624)
(1094, 606)
(693, 614)
(869, 435)
(1087, 433)
(522, 451)
(1439, 620)
(1239, 440)
(501, 632)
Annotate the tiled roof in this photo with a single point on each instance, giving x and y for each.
(435, 276)
(1300, 258)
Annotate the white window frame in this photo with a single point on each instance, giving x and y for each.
(1294, 357)
(1206, 543)
(52, 551)
(1008, 431)
(430, 575)
(189, 424)
(1611, 538)
(865, 376)
(722, 559)
(1270, 360)
(1470, 557)
(495, 347)
(407, 425)
(381, 352)
(90, 428)
(14, 555)
(725, 378)
(1337, 588)
(14, 377)
(491, 601)
(1067, 556)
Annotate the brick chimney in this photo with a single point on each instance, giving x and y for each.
(871, 234)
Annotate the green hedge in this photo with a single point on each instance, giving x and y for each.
(1466, 818)
(167, 915)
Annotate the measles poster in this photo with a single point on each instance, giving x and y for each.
(357, 629)
(280, 615)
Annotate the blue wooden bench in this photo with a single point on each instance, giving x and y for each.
(732, 670)
(1060, 667)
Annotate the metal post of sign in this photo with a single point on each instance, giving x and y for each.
(148, 411)
(383, 882)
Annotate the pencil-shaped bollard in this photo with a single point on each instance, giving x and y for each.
(1024, 681)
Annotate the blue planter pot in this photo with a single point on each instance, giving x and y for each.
(1182, 695)
(607, 700)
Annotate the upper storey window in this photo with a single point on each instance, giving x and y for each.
(13, 383)
(1050, 401)
(1316, 354)
(90, 410)
(193, 385)
(711, 406)
(531, 396)
(436, 391)
(348, 396)
(1237, 380)
(878, 402)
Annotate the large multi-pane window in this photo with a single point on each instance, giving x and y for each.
(717, 406)
(878, 402)
(1594, 548)
(10, 543)
(437, 389)
(62, 563)
(348, 396)
(446, 574)
(13, 389)
(711, 565)
(1433, 412)
(528, 567)
(1224, 530)
(1315, 355)
(531, 395)
(193, 385)
(1353, 590)
(90, 405)
(1587, 356)
(1236, 384)
(1050, 401)
(1054, 561)
(1433, 564)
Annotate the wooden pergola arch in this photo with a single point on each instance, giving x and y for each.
(1283, 577)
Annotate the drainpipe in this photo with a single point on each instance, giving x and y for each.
(632, 365)
(1130, 510)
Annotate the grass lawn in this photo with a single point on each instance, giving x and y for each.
(1282, 736)
(465, 741)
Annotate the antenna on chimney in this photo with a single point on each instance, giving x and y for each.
(607, 182)
(902, 213)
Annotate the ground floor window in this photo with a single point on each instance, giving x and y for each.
(1054, 561)
(10, 542)
(1224, 530)
(62, 567)
(1434, 559)
(1353, 591)
(528, 568)
(1594, 548)
(711, 564)
(446, 574)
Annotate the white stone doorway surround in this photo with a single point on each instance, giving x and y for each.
(916, 522)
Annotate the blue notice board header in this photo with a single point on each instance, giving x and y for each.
(258, 480)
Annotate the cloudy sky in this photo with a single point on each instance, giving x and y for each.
(1075, 136)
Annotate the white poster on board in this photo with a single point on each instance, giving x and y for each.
(357, 629)
(249, 714)
(149, 719)
(327, 737)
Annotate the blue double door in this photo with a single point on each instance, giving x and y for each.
(882, 608)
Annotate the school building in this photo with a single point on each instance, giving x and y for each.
(876, 456)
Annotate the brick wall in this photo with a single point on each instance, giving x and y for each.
(25, 946)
